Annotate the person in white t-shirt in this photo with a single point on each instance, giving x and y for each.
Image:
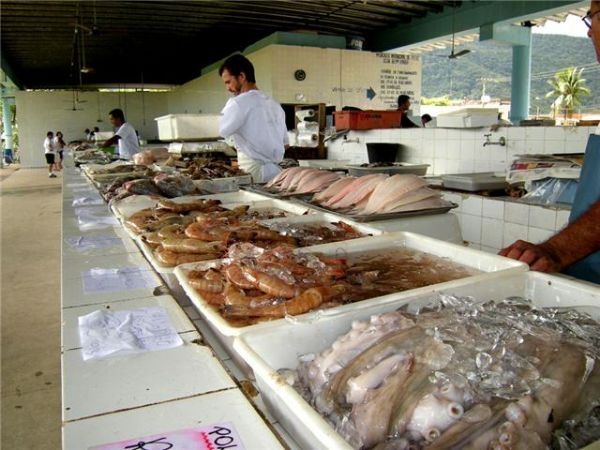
(50, 153)
(125, 136)
(254, 121)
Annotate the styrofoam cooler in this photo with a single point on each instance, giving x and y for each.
(468, 118)
(129, 205)
(490, 265)
(166, 273)
(188, 126)
(262, 348)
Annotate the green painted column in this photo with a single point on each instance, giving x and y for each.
(520, 80)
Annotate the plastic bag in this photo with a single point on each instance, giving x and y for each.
(551, 191)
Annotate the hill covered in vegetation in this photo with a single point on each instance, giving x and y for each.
(460, 78)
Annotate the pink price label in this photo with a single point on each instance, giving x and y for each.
(222, 436)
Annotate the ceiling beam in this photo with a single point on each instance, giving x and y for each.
(467, 16)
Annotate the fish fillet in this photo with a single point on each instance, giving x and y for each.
(428, 203)
(299, 179)
(333, 189)
(283, 176)
(285, 185)
(390, 190)
(317, 183)
(361, 188)
(410, 197)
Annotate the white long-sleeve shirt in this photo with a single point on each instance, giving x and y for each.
(256, 123)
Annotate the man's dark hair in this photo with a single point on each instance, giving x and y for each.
(98, 129)
(117, 114)
(87, 130)
(402, 99)
(236, 64)
(49, 133)
(426, 118)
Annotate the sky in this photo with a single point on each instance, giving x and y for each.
(572, 26)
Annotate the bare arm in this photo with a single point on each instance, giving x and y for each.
(112, 141)
(575, 242)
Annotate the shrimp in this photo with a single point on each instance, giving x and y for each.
(259, 234)
(152, 239)
(202, 284)
(198, 205)
(174, 231)
(309, 299)
(269, 284)
(171, 220)
(201, 231)
(168, 258)
(235, 296)
(235, 275)
(193, 246)
(139, 221)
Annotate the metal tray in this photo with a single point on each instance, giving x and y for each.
(260, 189)
(377, 217)
(397, 168)
(473, 182)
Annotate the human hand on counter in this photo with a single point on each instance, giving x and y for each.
(541, 257)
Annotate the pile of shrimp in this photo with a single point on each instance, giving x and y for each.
(254, 284)
(206, 236)
(271, 284)
(168, 212)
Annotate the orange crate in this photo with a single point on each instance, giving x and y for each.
(366, 120)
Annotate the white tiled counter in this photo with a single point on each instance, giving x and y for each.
(491, 224)
(462, 151)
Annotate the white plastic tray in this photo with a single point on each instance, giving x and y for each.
(263, 351)
(291, 209)
(188, 126)
(491, 266)
(132, 204)
(168, 273)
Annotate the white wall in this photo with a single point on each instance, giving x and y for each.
(207, 94)
(333, 76)
(39, 112)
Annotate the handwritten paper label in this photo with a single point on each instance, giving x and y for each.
(222, 436)
(104, 333)
(91, 198)
(85, 243)
(94, 218)
(114, 280)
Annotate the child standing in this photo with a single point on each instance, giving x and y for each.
(49, 153)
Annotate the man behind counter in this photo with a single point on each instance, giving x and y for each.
(404, 106)
(125, 136)
(576, 249)
(254, 120)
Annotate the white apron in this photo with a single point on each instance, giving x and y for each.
(261, 171)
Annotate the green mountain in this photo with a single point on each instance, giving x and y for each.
(460, 78)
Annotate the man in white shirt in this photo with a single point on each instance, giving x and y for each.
(126, 137)
(50, 153)
(254, 121)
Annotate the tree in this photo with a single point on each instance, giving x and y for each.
(568, 87)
